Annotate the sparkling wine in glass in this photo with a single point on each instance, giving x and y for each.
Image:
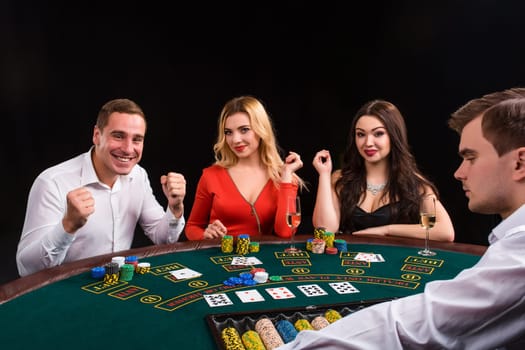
(293, 219)
(428, 220)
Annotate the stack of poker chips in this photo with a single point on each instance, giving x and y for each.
(332, 315)
(112, 271)
(309, 244)
(260, 276)
(318, 232)
(286, 330)
(143, 268)
(126, 272)
(319, 322)
(120, 260)
(341, 245)
(227, 244)
(329, 239)
(318, 245)
(243, 244)
(132, 259)
(232, 339)
(98, 272)
(303, 324)
(252, 340)
(268, 333)
(254, 247)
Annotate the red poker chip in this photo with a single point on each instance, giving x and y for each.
(331, 250)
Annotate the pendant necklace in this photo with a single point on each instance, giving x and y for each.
(374, 188)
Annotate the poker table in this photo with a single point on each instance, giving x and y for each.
(65, 307)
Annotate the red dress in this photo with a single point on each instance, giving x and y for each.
(217, 197)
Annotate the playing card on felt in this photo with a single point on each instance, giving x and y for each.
(185, 273)
(218, 299)
(370, 257)
(249, 296)
(280, 293)
(312, 290)
(343, 287)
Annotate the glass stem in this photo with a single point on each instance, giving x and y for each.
(426, 239)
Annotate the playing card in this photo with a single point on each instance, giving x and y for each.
(312, 290)
(239, 260)
(249, 296)
(343, 287)
(245, 260)
(379, 258)
(280, 293)
(218, 299)
(370, 257)
(185, 273)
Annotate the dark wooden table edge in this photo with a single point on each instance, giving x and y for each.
(26, 284)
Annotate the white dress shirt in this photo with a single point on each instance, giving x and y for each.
(44, 242)
(483, 307)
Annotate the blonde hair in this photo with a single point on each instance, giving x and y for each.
(262, 126)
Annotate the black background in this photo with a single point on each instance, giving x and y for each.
(312, 65)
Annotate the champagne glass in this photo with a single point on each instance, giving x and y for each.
(293, 219)
(427, 214)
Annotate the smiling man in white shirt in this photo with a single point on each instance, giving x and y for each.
(91, 204)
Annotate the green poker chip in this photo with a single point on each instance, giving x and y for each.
(275, 278)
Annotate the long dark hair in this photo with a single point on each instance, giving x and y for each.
(405, 182)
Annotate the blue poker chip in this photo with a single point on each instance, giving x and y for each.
(98, 272)
(228, 283)
(250, 282)
(246, 276)
(235, 280)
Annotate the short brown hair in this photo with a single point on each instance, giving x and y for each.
(120, 105)
(477, 106)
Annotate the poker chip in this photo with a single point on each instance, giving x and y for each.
(233, 281)
(98, 272)
(232, 339)
(332, 315)
(275, 278)
(254, 247)
(268, 333)
(143, 268)
(303, 324)
(249, 282)
(120, 260)
(246, 275)
(319, 322)
(318, 246)
(126, 272)
(331, 250)
(254, 270)
(341, 245)
(261, 276)
(227, 244)
(319, 232)
(252, 340)
(328, 237)
(286, 330)
(309, 244)
(243, 244)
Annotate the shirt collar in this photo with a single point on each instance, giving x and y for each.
(513, 223)
(89, 176)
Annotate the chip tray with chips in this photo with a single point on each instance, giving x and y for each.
(247, 322)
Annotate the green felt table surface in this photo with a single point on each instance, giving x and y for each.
(157, 311)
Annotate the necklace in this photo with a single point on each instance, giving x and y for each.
(375, 188)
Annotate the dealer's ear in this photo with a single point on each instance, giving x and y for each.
(519, 173)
